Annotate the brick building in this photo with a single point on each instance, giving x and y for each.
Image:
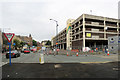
(26, 39)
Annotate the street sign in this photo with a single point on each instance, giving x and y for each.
(14, 44)
(88, 34)
(9, 36)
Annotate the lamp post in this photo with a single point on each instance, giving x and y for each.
(56, 31)
(56, 26)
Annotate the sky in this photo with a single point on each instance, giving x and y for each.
(26, 17)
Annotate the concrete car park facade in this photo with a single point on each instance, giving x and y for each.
(88, 31)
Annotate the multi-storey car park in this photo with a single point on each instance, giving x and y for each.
(60, 39)
(63, 38)
(88, 31)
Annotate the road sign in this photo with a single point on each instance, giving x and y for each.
(9, 36)
(88, 34)
(14, 44)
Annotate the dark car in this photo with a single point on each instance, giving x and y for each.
(14, 54)
(26, 51)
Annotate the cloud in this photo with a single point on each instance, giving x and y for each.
(28, 16)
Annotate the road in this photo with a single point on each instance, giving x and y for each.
(61, 66)
(34, 58)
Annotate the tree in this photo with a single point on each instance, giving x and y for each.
(34, 43)
(17, 43)
(48, 43)
(22, 43)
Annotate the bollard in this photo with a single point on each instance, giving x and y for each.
(41, 59)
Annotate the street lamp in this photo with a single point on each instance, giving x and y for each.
(56, 26)
(56, 30)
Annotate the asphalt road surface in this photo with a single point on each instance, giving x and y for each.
(34, 58)
(61, 66)
(60, 70)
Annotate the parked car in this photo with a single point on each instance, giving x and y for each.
(22, 51)
(86, 49)
(26, 51)
(34, 50)
(14, 54)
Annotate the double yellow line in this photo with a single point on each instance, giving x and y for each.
(94, 62)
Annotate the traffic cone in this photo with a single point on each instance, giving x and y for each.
(108, 53)
(67, 54)
(76, 54)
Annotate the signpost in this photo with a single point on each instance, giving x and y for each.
(9, 37)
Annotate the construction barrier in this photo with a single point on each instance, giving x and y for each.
(75, 50)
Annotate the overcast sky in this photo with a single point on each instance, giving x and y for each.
(32, 16)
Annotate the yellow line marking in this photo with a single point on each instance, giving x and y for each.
(95, 62)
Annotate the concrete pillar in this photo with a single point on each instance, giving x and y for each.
(102, 46)
(89, 45)
(118, 27)
(63, 46)
(104, 28)
(83, 30)
(60, 46)
(95, 44)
